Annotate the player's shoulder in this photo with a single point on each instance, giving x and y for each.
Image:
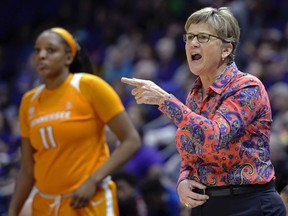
(89, 77)
(32, 93)
(86, 79)
(86, 83)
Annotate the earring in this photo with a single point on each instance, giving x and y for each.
(223, 58)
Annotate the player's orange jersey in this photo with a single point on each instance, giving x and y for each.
(66, 126)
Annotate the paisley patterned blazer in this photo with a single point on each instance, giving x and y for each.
(223, 139)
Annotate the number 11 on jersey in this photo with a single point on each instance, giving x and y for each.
(49, 131)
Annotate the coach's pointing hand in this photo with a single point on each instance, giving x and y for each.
(146, 91)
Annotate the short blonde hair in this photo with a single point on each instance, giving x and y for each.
(224, 23)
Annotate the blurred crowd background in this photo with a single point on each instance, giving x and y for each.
(141, 39)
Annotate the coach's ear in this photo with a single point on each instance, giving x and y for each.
(227, 48)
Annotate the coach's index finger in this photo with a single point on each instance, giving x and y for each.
(133, 81)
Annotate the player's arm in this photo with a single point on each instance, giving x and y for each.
(24, 180)
(129, 139)
(130, 143)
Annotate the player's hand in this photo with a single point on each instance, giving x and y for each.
(83, 194)
(146, 91)
(188, 197)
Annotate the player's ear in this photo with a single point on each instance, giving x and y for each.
(69, 59)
